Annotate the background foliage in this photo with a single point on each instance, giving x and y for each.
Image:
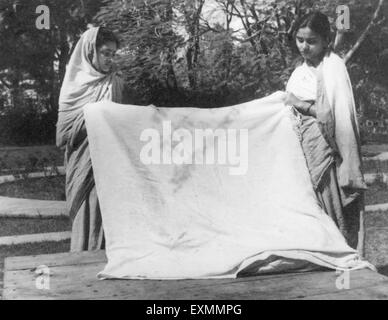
(178, 53)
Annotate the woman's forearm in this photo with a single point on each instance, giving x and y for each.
(304, 107)
(312, 111)
(307, 108)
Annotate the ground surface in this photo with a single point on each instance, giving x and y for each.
(30, 249)
(53, 189)
(374, 149)
(20, 226)
(73, 276)
(12, 158)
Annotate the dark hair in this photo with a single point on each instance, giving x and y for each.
(104, 35)
(317, 22)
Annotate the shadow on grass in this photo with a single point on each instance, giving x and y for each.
(32, 249)
(383, 270)
(21, 226)
(49, 188)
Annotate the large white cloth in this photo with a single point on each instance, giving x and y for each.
(221, 220)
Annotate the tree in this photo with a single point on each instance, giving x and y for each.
(33, 61)
(174, 53)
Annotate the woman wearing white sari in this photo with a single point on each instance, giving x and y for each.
(89, 78)
(325, 120)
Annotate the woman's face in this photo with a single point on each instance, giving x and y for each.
(311, 45)
(105, 55)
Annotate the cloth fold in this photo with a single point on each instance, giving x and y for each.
(338, 120)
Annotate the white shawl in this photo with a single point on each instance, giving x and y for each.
(331, 88)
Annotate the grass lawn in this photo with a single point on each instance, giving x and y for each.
(50, 188)
(21, 226)
(370, 150)
(34, 249)
(376, 242)
(372, 166)
(376, 194)
(31, 157)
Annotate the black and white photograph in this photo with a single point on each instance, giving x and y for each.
(210, 152)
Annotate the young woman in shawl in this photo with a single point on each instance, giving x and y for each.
(89, 78)
(321, 94)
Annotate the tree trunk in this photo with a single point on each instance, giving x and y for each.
(193, 50)
(171, 80)
(363, 36)
(15, 90)
(63, 56)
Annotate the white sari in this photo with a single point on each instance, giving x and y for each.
(331, 142)
(84, 83)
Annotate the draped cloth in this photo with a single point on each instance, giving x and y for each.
(331, 142)
(332, 91)
(170, 212)
(84, 83)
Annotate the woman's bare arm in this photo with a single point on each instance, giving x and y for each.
(304, 107)
(307, 108)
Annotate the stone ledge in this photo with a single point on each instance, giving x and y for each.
(35, 238)
(49, 172)
(26, 208)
